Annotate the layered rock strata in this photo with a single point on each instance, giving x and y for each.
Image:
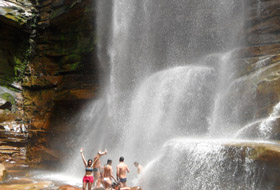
(16, 20)
(259, 69)
(49, 69)
(61, 76)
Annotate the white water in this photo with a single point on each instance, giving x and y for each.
(171, 91)
(262, 128)
(204, 164)
(266, 125)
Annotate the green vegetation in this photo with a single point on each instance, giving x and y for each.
(19, 69)
(8, 97)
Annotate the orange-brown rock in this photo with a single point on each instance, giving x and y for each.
(68, 187)
(41, 154)
(62, 72)
(34, 186)
(259, 50)
(3, 172)
(22, 180)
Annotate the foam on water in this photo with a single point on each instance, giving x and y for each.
(61, 178)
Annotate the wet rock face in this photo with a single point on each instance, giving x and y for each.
(15, 31)
(258, 64)
(264, 129)
(61, 76)
(47, 61)
(263, 22)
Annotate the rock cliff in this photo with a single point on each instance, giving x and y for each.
(259, 67)
(47, 71)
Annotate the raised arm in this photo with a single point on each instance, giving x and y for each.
(83, 157)
(102, 153)
(99, 154)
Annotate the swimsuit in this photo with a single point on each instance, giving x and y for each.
(89, 169)
(106, 179)
(95, 169)
(123, 180)
(88, 179)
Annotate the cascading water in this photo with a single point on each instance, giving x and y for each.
(204, 164)
(171, 86)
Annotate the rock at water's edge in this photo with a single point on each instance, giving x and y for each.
(68, 187)
(3, 172)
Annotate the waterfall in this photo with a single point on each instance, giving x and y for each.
(265, 128)
(168, 104)
(172, 92)
(266, 125)
(204, 164)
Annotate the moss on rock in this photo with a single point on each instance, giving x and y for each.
(8, 97)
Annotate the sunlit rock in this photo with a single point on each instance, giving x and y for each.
(35, 185)
(68, 187)
(3, 172)
(21, 180)
(15, 13)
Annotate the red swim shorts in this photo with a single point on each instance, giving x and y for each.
(88, 179)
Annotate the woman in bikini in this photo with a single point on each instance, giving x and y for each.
(88, 178)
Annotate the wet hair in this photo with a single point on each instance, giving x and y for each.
(121, 159)
(136, 163)
(89, 160)
(109, 161)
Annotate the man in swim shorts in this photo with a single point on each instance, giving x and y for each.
(122, 169)
(108, 175)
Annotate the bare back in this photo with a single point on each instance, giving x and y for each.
(122, 169)
(139, 169)
(108, 171)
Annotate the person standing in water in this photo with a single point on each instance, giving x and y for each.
(139, 167)
(97, 163)
(88, 178)
(108, 175)
(122, 169)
